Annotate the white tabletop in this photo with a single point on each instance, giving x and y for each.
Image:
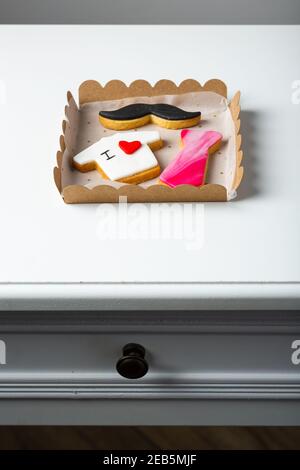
(244, 249)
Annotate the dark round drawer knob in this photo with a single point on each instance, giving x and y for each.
(132, 365)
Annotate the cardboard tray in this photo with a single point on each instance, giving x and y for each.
(82, 128)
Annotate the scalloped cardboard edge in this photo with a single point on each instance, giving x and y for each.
(235, 110)
(92, 90)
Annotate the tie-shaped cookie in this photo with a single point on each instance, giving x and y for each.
(190, 165)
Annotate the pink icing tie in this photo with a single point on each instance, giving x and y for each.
(189, 166)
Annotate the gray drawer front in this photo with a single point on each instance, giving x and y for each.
(195, 359)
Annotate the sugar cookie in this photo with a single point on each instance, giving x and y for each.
(125, 156)
(190, 165)
(140, 114)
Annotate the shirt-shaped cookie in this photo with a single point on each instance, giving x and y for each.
(125, 156)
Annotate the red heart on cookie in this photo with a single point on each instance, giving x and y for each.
(130, 147)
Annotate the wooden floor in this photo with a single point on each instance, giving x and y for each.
(148, 438)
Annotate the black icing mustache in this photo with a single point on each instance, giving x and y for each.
(139, 110)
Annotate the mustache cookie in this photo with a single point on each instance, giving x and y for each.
(190, 165)
(140, 114)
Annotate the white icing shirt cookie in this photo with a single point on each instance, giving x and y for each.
(108, 153)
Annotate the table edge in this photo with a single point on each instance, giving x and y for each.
(150, 296)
